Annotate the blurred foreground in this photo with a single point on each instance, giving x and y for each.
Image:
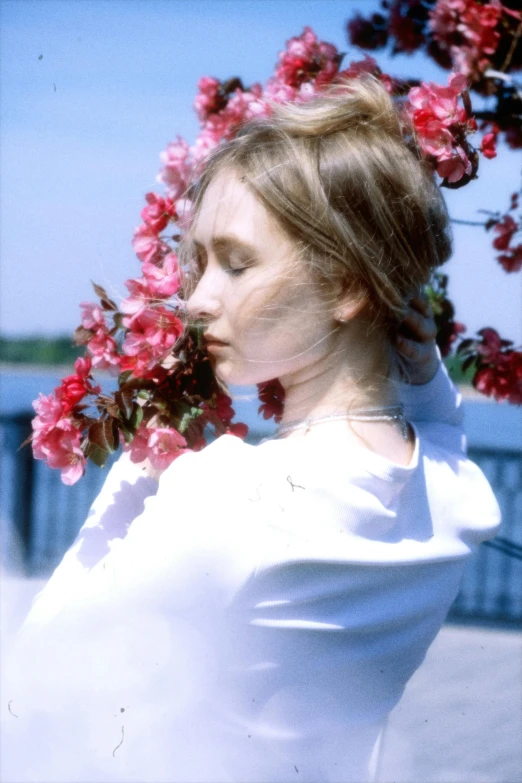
(460, 720)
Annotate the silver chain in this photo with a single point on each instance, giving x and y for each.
(386, 413)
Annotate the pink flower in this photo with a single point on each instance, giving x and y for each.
(49, 411)
(436, 140)
(163, 280)
(456, 167)
(358, 67)
(488, 145)
(92, 315)
(468, 31)
(158, 282)
(209, 98)
(147, 245)
(60, 447)
(438, 103)
(165, 444)
(139, 449)
(104, 351)
(73, 388)
(161, 445)
(177, 168)
(158, 212)
(305, 59)
(239, 429)
(151, 336)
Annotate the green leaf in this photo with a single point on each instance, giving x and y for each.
(124, 377)
(124, 400)
(100, 292)
(136, 417)
(108, 304)
(101, 434)
(96, 455)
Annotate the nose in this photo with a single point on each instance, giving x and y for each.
(205, 301)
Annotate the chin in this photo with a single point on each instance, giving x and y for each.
(238, 376)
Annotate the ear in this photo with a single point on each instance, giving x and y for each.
(350, 306)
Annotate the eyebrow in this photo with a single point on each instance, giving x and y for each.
(229, 242)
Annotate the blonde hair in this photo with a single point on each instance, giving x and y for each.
(339, 177)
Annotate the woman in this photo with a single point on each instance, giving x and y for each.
(259, 615)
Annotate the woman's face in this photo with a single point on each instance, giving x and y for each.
(264, 315)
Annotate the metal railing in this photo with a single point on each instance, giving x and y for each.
(45, 516)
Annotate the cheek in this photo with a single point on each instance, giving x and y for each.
(282, 319)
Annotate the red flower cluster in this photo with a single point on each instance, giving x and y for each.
(499, 372)
(168, 394)
(441, 126)
(468, 31)
(305, 66)
(55, 438)
(272, 397)
(506, 229)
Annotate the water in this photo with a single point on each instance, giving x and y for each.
(19, 387)
(488, 424)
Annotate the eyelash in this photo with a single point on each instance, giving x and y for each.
(235, 272)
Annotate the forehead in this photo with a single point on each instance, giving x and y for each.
(230, 209)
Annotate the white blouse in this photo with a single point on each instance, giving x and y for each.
(254, 619)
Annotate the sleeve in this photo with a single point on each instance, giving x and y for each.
(120, 500)
(435, 408)
(112, 684)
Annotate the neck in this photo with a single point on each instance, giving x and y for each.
(345, 377)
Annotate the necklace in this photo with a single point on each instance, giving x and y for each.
(385, 413)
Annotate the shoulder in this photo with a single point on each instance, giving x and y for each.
(226, 460)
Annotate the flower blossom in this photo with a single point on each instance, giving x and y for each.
(437, 117)
(468, 31)
(177, 168)
(152, 333)
(369, 33)
(104, 351)
(209, 98)
(157, 282)
(147, 245)
(511, 256)
(73, 388)
(304, 60)
(161, 445)
(502, 379)
(92, 315)
(158, 212)
(488, 145)
(272, 397)
(165, 445)
(505, 229)
(55, 438)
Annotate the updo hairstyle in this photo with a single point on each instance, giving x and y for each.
(339, 177)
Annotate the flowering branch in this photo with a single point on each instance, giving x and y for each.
(168, 399)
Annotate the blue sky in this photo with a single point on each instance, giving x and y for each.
(93, 90)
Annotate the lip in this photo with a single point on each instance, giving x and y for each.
(210, 340)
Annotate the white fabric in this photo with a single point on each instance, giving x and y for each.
(258, 620)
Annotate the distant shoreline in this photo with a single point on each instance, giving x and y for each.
(59, 370)
(23, 368)
(41, 369)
